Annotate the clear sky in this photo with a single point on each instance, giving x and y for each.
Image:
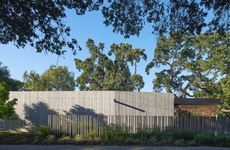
(82, 27)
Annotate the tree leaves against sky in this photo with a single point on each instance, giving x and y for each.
(110, 72)
(53, 79)
(15, 85)
(40, 23)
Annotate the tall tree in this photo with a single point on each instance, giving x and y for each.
(40, 23)
(103, 73)
(93, 68)
(217, 49)
(190, 63)
(53, 79)
(6, 106)
(15, 85)
(58, 79)
(167, 17)
(32, 82)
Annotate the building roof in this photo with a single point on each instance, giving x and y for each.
(196, 101)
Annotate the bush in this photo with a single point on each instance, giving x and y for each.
(156, 132)
(91, 134)
(179, 142)
(142, 134)
(78, 137)
(206, 138)
(44, 131)
(224, 141)
(185, 134)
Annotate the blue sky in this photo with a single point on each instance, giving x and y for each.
(82, 27)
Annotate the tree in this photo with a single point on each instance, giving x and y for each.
(103, 73)
(93, 68)
(32, 82)
(6, 106)
(166, 17)
(58, 79)
(53, 79)
(15, 85)
(40, 23)
(190, 63)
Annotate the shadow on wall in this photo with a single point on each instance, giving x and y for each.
(79, 110)
(37, 114)
(78, 121)
(12, 125)
(83, 112)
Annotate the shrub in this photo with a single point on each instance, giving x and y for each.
(108, 131)
(153, 140)
(168, 140)
(156, 132)
(185, 134)
(78, 137)
(192, 143)
(50, 139)
(206, 138)
(179, 142)
(91, 134)
(44, 131)
(142, 134)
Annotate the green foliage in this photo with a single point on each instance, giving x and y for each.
(49, 139)
(206, 138)
(53, 79)
(91, 134)
(78, 137)
(64, 139)
(142, 134)
(129, 17)
(190, 64)
(99, 72)
(156, 133)
(176, 134)
(7, 110)
(41, 23)
(44, 131)
(108, 133)
(15, 85)
(179, 142)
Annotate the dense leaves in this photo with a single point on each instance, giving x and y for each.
(53, 79)
(6, 105)
(167, 17)
(190, 63)
(40, 23)
(15, 85)
(100, 72)
(194, 66)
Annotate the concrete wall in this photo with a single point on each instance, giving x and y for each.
(33, 107)
(144, 104)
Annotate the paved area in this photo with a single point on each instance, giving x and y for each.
(74, 147)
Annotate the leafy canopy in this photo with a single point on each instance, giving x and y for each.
(40, 23)
(15, 85)
(53, 79)
(107, 72)
(7, 110)
(190, 63)
(194, 66)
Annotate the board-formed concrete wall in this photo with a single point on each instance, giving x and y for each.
(33, 107)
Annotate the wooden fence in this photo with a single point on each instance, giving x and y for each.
(201, 124)
(73, 125)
